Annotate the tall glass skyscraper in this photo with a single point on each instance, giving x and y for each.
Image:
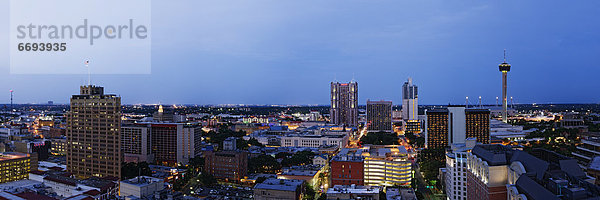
(410, 106)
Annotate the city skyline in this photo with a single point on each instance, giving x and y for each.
(450, 50)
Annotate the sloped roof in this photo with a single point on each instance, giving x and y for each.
(531, 163)
(533, 190)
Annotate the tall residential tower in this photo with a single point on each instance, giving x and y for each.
(344, 103)
(379, 116)
(93, 134)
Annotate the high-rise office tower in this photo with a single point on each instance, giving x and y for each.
(93, 134)
(504, 68)
(379, 116)
(410, 106)
(344, 103)
(453, 125)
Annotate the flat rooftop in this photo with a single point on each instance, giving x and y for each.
(353, 189)
(12, 155)
(142, 181)
(279, 184)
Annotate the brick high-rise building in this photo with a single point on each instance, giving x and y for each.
(174, 143)
(226, 165)
(379, 116)
(344, 103)
(347, 168)
(164, 142)
(93, 134)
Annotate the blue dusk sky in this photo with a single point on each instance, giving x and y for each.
(287, 52)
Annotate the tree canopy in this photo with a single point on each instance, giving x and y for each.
(380, 138)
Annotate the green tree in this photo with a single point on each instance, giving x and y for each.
(263, 164)
(207, 179)
(131, 170)
(415, 141)
(196, 164)
(382, 195)
(323, 196)
(430, 168)
(261, 179)
(380, 138)
(180, 181)
(299, 158)
(309, 192)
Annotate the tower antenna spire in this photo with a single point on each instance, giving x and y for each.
(504, 55)
(467, 102)
(11, 100)
(87, 65)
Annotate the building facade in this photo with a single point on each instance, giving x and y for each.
(140, 187)
(314, 141)
(410, 106)
(379, 116)
(353, 192)
(15, 166)
(437, 129)
(587, 150)
(455, 176)
(454, 124)
(226, 165)
(372, 165)
(500, 172)
(164, 142)
(387, 165)
(344, 103)
(59, 146)
(93, 134)
(272, 189)
(174, 143)
(230, 144)
(136, 143)
(347, 168)
(478, 125)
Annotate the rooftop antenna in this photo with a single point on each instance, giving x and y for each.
(480, 105)
(87, 62)
(496, 101)
(467, 101)
(512, 105)
(11, 100)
